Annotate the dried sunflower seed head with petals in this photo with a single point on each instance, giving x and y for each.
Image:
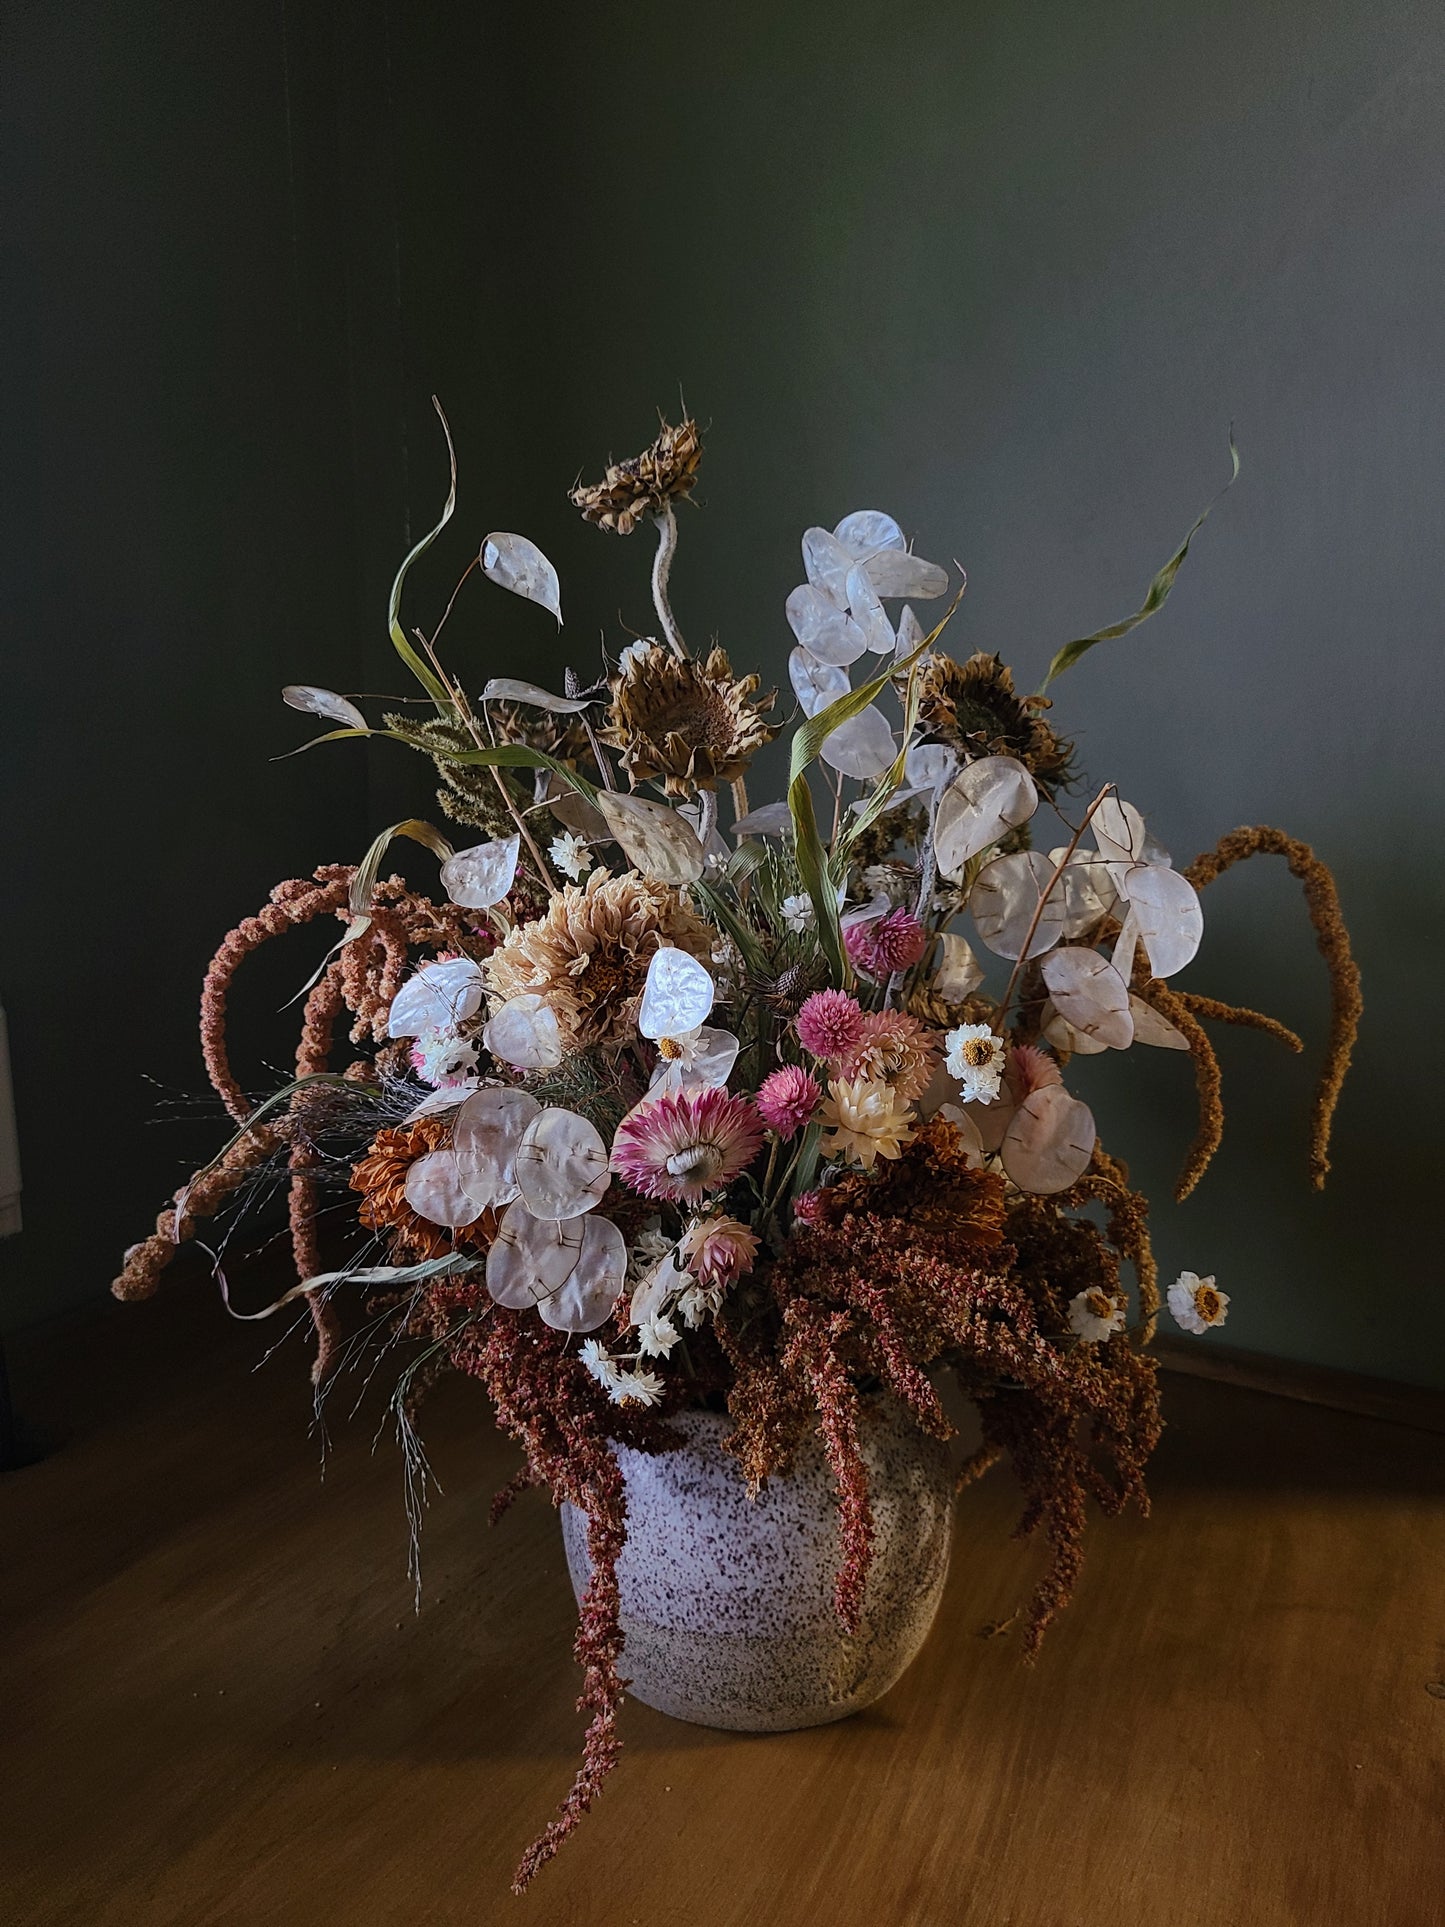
(644, 484)
(685, 724)
(974, 708)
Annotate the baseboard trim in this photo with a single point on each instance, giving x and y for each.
(1380, 1398)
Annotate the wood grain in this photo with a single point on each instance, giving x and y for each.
(219, 1710)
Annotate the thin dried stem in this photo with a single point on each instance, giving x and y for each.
(1044, 896)
(666, 520)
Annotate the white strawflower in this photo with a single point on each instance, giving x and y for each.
(636, 1388)
(697, 1303)
(656, 1338)
(570, 854)
(1095, 1314)
(1196, 1303)
(797, 913)
(976, 1058)
(600, 1362)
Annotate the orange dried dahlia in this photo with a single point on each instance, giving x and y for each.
(380, 1177)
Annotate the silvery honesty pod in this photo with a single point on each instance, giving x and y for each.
(678, 995)
(823, 627)
(867, 530)
(958, 972)
(435, 1191)
(1090, 994)
(815, 683)
(984, 801)
(826, 564)
(519, 565)
(525, 1033)
(571, 1270)
(1049, 1141)
(325, 703)
(895, 572)
(1151, 1028)
(439, 996)
(561, 1165)
(1167, 914)
(655, 839)
(486, 1135)
(867, 611)
(1004, 899)
(481, 876)
(863, 747)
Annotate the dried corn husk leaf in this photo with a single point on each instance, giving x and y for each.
(324, 702)
(514, 563)
(655, 839)
(481, 876)
(1049, 1141)
(525, 1034)
(572, 811)
(1003, 901)
(985, 800)
(1166, 908)
(677, 996)
(561, 1165)
(488, 1129)
(1090, 994)
(435, 1191)
(823, 627)
(665, 1278)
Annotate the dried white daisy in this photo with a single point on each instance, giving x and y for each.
(571, 855)
(1197, 1304)
(1095, 1314)
(976, 1058)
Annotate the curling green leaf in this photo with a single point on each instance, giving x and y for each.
(424, 673)
(1158, 589)
(369, 868)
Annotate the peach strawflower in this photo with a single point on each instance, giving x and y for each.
(717, 1251)
(895, 1049)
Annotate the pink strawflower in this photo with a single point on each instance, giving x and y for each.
(885, 944)
(830, 1024)
(788, 1098)
(808, 1207)
(718, 1251)
(686, 1144)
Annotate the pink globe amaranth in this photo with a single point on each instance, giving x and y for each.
(830, 1025)
(686, 1144)
(787, 1099)
(885, 944)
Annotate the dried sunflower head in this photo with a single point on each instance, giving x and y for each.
(685, 724)
(975, 709)
(644, 484)
(555, 734)
(587, 956)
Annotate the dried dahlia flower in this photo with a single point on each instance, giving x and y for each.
(645, 483)
(975, 709)
(895, 1049)
(587, 956)
(381, 1176)
(685, 724)
(686, 1144)
(864, 1120)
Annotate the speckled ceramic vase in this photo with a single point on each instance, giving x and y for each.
(727, 1602)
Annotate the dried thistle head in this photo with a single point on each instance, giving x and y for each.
(974, 708)
(555, 734)
(685, 724)
(644, 484)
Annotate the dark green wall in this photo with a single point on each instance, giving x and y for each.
(1008, 271)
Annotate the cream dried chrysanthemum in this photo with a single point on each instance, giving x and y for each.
(587, 957)
(1197, 1303)
(1095, 1314)
(685, 724)
(864, 1120)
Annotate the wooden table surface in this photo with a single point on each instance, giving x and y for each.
(216, 1704)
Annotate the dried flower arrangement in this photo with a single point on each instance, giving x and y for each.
(642, 1118)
